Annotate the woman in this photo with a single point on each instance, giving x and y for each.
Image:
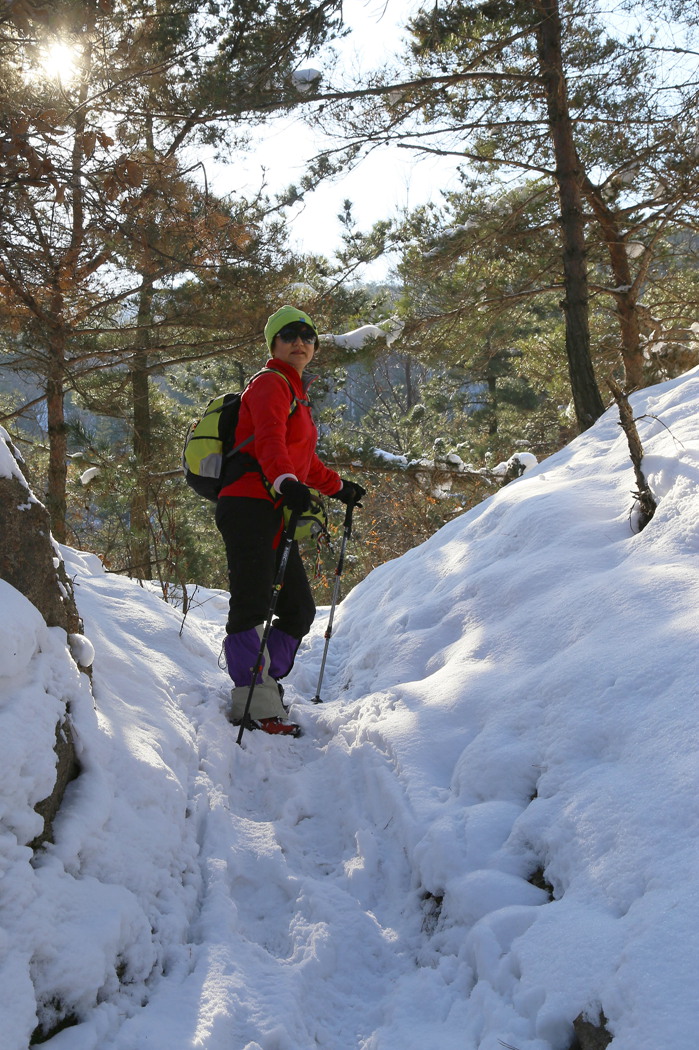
(278, 432)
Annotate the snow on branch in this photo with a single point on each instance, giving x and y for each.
(515, 466)
(388, 330)
(437, 475)
(305, 80)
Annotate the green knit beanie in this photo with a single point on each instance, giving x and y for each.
(284, 316)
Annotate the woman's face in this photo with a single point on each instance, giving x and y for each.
(295, 344)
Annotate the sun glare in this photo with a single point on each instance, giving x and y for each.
(59, 61)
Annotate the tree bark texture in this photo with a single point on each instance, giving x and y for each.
(586, 396)
(57, 336)
(57, 476)
(625, 293)
(140, 522)
(142, 443)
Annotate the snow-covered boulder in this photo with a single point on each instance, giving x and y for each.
(35, 595)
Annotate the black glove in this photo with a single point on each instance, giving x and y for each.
(350, 492)
(297, 496)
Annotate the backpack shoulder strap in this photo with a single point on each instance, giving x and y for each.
(292, 407)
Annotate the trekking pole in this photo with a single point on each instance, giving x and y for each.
(346, 533)
(276, 587)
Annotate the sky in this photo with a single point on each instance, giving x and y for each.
(517, 695)
(388, 180)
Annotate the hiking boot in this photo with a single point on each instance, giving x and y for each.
(273, 726)
(278, 726)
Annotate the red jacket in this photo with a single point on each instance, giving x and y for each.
(284, 445)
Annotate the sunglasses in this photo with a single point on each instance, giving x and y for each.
(290, 333)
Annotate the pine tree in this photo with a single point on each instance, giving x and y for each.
(99, 202)
(553, 90)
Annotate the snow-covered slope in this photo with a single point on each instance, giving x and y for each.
(489, 827)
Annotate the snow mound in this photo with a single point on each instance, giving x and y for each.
(21, 626)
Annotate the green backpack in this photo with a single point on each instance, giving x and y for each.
(313, 523)
(208, 459)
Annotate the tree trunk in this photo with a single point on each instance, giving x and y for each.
(586, 396)
(56, 502)
(493, 400)
(409, 386)
(625, 294)
(58, 444)
(142, 443)
(647, 505)
(631, 351)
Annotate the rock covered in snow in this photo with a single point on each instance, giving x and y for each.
(36, 595)
(10, 459)
(27, 553)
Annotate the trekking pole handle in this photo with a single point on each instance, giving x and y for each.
(346, 533)
(348, 517)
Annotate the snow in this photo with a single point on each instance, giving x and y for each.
(87, 476)
(389, 330)
(517, 694)
(357, 338)
(635, 249)
(9, 467)
(520, 463)
(306, 79)
(390, 457)
(20, 626)
(82, 650)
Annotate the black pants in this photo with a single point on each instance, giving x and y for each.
(249, 527)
